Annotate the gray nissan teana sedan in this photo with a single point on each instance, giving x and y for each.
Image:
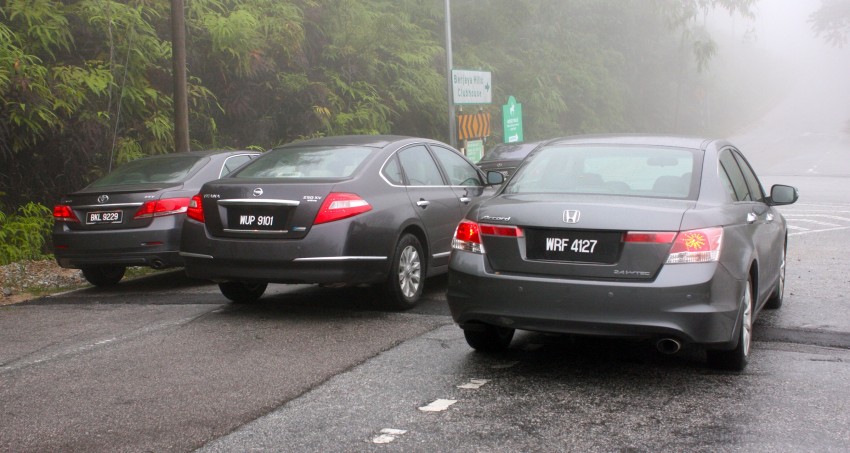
(336, 211)
(667, 239)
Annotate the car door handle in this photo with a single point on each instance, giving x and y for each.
(423, 203)
(465, 200)
(752, 217)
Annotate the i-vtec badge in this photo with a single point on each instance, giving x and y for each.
(497, 219)
(571, 216)
(258, 191)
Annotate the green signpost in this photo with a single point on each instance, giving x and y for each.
(512, 121)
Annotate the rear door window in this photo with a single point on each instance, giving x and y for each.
(419, 167)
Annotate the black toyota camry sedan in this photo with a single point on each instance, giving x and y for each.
(133, 215)
(668, 239)
(345, 210)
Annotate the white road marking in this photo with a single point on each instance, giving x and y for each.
(388, 435)
(438, 405)
(473, 384)
(795, 227)
(818, 231)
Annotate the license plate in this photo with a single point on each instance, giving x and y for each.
(573, 246)
(100, 217)
(255, 219)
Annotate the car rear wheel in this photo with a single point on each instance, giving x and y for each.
(105, 275)
(776, 298)
(242, 292)
(487, 338)
(407, 279)
(736, 359)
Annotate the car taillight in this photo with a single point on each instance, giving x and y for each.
(696, 246)
(160, 208)
(195, 211)
(338, 206)
(64, 213)
(468, 235)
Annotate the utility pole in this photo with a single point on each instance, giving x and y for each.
(178, 62)
(449, 64)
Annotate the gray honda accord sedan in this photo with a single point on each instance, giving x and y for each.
(666, 239)
(335, 211)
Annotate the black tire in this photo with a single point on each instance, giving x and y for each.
(104, 275)
(778, 295)
(406, 281)
(488, 338)
(736, 359)
(242, 292)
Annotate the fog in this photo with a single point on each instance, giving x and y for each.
(796, 83)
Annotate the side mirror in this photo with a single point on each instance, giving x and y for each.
(495, 178)
(781, 194)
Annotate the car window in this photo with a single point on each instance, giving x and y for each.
(739, 184)
(232, 163)
(307, 162)
(419, 167)
(750, 176)
(392, 172)
(159, 169)
(610, 170)
(460, 172)
(513, 151)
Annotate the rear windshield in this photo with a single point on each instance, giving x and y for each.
(308, 162)
(610, 170)
(166, 169)
(509, 152)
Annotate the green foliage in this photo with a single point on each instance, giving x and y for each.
(832, 21)
(24, 232)
(86, 84)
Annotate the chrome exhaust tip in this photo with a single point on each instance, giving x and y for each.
(668, 345)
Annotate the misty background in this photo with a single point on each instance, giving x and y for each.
(86, 84)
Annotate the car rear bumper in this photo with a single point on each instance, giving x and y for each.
(156, 246)
(693, 303)
(312, 259)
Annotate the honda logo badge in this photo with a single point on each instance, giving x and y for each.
(571, 216)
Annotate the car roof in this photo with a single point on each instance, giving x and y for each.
(202, 153)
(373, 141)
(679, 141)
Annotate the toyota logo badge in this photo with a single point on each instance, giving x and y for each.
(103, 198)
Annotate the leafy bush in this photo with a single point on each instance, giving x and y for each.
(24, 232)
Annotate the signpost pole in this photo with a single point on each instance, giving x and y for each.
(452, 125)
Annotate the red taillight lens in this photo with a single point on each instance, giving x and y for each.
(652, 237)
(501, 230)
(696, 246)
(195, 211)
(338, 206)
(164, 207)
(468, 237)
(64, 213)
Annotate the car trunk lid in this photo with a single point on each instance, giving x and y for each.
(584, 237)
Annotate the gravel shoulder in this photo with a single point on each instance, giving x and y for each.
(25, 280)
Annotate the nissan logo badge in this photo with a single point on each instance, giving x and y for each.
(258, 191)
(572, 216)
(103, 198)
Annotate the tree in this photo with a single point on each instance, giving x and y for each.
(832, 21)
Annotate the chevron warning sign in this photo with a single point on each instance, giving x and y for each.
(474, 125)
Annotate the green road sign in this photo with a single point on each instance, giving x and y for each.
(512, 121)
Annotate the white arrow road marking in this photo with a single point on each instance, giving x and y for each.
(473, 384)
(388, 435)
(437, 406)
